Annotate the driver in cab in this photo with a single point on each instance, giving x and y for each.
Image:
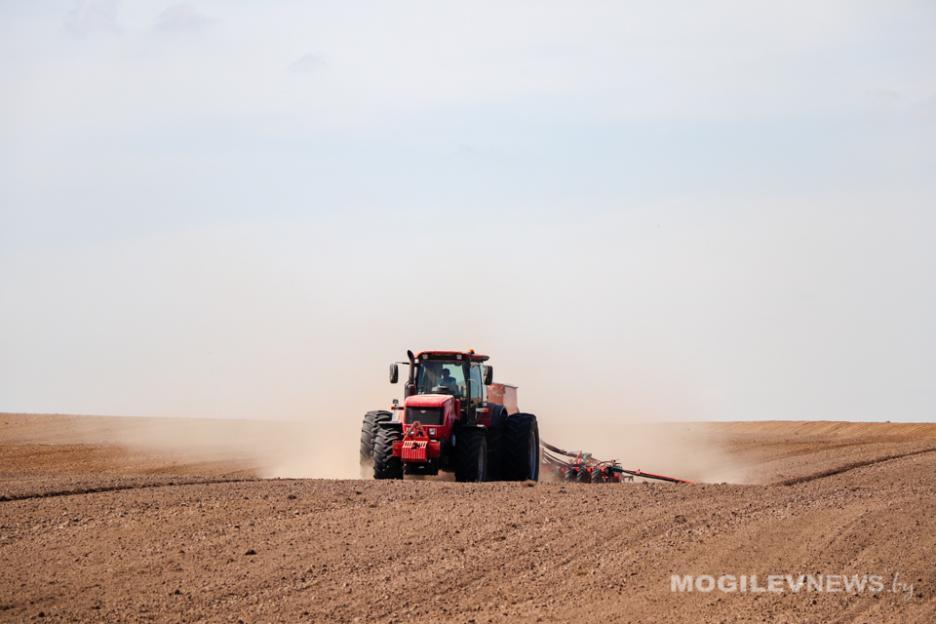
(449, 382)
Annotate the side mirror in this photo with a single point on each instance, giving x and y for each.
(394, 372)
(488, 375)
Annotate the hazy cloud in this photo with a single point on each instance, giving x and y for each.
(928, 107)
(884, 99)
(307, 64)
(182, 18)
(92, 17)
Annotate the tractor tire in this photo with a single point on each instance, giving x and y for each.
(584, 476)
(471, 455)
(521, 446)
(495, 447)
(386, 466)
(369, 427)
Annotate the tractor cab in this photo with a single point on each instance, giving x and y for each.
(441, 377)
(452, 382)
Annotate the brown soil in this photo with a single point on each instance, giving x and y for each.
(98, 524)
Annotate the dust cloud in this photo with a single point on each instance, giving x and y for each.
(319, 448)
(273, 449)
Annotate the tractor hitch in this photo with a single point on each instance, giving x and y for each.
(416, 445)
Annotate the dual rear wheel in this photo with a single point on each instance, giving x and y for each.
(471, 455)
(369, 428)
(376, 450)
(521, 457)
(518, 454)
(386, 466)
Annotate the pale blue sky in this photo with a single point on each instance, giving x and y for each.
(673, 210)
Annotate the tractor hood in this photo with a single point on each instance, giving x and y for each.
(428, 400)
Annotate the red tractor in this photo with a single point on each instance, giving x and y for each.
(455, 419)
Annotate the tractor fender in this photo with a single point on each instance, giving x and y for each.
(499, 416)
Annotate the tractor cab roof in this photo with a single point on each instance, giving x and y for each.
(452, 355)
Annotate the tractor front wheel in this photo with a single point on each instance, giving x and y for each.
(386, 466)
(471, 455)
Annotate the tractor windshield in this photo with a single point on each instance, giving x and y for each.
(441, 377)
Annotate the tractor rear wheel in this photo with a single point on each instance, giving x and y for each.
(584, 476)
(495, 446)
(386, 466)
(521, 445)
(369, 431)
(471, 455)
